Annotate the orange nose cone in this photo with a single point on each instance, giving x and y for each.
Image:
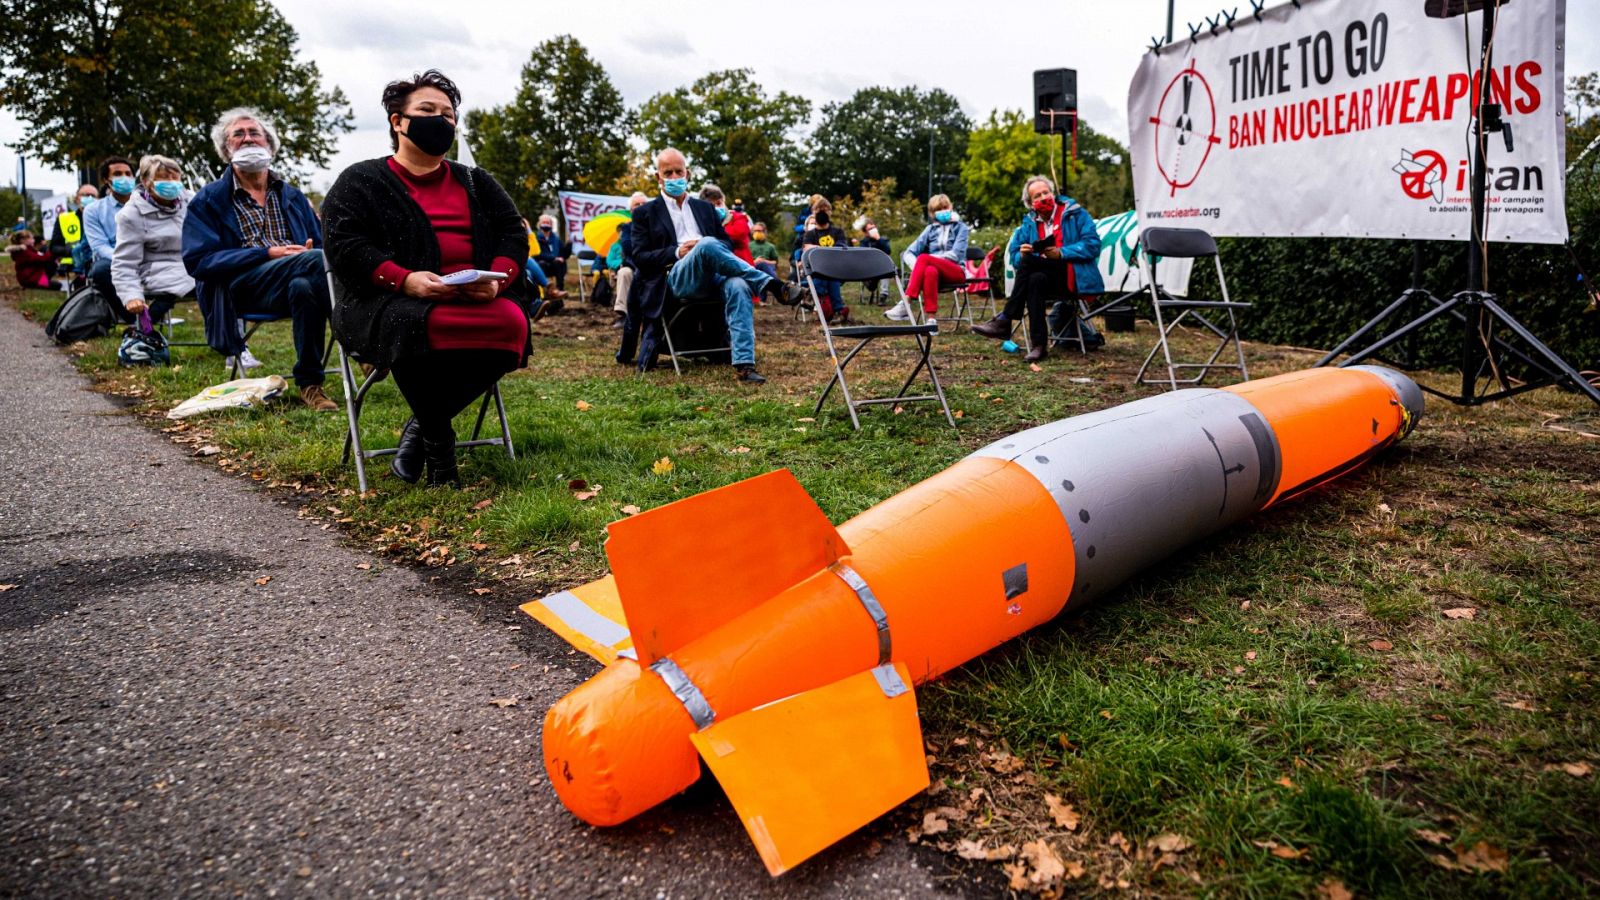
(619, 745)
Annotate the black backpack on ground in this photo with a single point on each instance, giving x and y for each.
(83, 315)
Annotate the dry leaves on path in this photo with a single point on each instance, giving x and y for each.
(1047, 867)
(968, 849)
(1063, 813)
(1170, 843)
(504, 702)
(1380, 644)
(263, 580)
(7, 587)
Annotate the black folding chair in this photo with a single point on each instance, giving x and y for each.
(355, 397)
(857, 264)
(1187, 243)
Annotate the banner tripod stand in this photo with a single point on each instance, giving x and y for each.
(1478, 310)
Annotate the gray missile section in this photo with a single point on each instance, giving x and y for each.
(1139, 481)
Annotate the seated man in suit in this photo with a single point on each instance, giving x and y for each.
(678, 244)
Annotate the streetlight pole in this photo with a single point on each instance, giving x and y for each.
(930, 164)
(1169, 19)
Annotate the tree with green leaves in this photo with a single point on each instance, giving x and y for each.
(1005, 150)
(751, 174)
(100, 77)
(566, 130)
(888, 133)
(719, 122)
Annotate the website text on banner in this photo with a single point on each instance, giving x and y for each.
(1349, 118)
(577, 209)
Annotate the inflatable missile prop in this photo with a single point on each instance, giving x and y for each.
(786, 660)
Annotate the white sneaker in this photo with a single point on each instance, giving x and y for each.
(935, 323)
(900, 313)
(247, 361)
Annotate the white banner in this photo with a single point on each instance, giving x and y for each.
(1119, 238)
(1349, 118)
(577, 209)
(52, 206)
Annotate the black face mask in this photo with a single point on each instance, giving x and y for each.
(433, 135)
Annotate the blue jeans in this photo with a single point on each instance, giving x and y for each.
(711, 269)
(294, 287)
(536, 274)
(100, 276)
(767, 266)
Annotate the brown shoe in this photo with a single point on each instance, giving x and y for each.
(557, 294)
(312, 396)
(994, 328)
(1036, 354)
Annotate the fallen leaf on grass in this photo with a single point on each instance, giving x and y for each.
(1170, 843)
(1034, 367)
(1334, 889)
(1380, 644)
(1244, 606)
(1480, 857)
(630, 510)
(573, 547)
(262, 581)
(1522, 705)
(483, 504)
(1437, 838)
(1019, 875)
(1118, 842)
(504, 702)
(1279, 850)
(662, 466)
(482, 591)
(1576, 770)
(1286, 781)
(959, 414)
(967, 849)
(740, 450)
(1063, 813)
(1461, 612)
(1105, 714)
(1003, 762)
(208, 450)
(583, 406)
(587, 495)
(1047, 866)
(1250, 656)
(933, 823)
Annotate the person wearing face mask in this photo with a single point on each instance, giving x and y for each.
(253, 243)
(763, 253)
(552, 256)
(682, 251)
(823, 233)
(147, 264)
(100, 223)
(66, 237)
(937, 256)
(396, 227)
(871, 237)
(1054, 251)
(734, 222)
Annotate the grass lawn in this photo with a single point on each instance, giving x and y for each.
(1387, 687)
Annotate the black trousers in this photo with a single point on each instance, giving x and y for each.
(440, 384)
(1039, 282)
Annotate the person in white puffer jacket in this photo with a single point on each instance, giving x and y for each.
(147, 263)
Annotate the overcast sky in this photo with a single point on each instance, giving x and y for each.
(824, 50)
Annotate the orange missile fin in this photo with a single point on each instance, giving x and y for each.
(589, 617)
(807, 770)
(685, 568)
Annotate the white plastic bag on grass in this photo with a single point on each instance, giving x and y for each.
(231, 394)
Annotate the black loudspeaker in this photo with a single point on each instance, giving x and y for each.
(1444, 9)
(1054, 90)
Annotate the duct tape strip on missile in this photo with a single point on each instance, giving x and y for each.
(874, 609)
(678, 681)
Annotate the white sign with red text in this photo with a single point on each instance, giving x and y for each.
(577, 209)
(1350, 118)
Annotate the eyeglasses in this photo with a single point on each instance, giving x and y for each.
(246, 133)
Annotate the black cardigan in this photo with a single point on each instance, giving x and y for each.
(369, 218)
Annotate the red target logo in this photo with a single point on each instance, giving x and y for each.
(1186, 128)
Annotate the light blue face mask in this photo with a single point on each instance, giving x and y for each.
(944, 216)
(122, 184)
(675, 187)
(167, 190)
(723, 212)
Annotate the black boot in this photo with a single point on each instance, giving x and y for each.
(407, 462)
(998, 328)
(440, 451)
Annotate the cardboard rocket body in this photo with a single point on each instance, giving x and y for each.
(786, 661)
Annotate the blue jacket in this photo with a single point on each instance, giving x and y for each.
(946, 240)
(1079, 241)
(214, 251)
(621, 254)
(551, 246)
(100, 226)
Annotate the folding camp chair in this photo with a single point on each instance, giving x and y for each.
(846, 264)
(1187, 243)
(978, 283)
(585, 260)
(355, 397)
(708, 321)
(250, 323)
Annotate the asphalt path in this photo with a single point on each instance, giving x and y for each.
(169, 726)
